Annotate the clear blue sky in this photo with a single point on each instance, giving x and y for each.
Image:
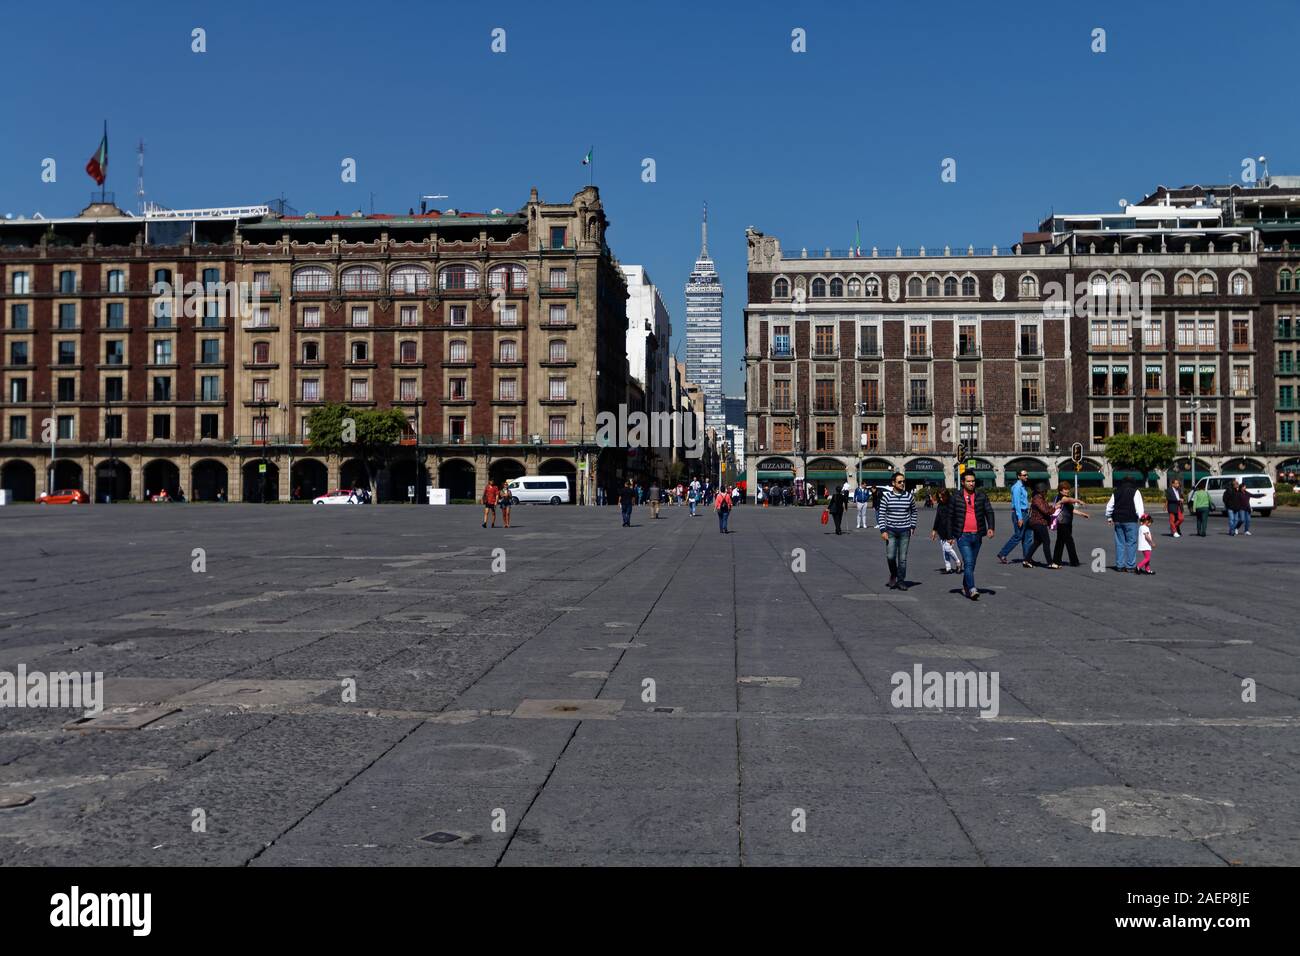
(798, 145)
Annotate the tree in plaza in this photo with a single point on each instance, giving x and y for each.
(1141, 453)
(371, 434)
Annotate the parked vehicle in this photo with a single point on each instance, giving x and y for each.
(343, 496)
(1255, 483)
(67, 496)
(539, 489)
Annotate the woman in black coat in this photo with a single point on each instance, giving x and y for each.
(836, 507)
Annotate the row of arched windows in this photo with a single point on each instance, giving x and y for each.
(411, 279)
(1186, 283)
(408, 350)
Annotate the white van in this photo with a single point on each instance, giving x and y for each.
(539, 489)
(1257, 484)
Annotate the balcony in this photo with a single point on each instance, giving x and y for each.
(824, 408)
(558, 288)
(781, 353)
(918, 353)
(825, 354)
(1031, 408)
(262, 292)
(919, 406)
(921, 447)
(1029, 353)
(968, 352)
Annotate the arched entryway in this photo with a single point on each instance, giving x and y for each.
(457, 476)
(876, 471)
(825, 474)
(112, 481)
(503, 469)
(924, 472)
(1240, 466)
(562, 466)
(161, 475)
(19, 479)
(209, 481)
(308, 479)
(1036, 468)
(261, 480)
(986, 476)
(404, 481)
(67, 475)
(352, 474)
(1090, 474)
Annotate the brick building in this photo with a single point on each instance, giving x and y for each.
(501, 335)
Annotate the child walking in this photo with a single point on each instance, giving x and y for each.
(944, 533)
(1144, 546)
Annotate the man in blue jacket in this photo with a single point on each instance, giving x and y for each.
(1019, 519)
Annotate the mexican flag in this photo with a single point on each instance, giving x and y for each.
(98, 165)
(586, 160)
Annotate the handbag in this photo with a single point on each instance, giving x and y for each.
(826, 516)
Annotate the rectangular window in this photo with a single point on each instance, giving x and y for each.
(918, 397)
(311, 390)
(1100, 428)
(1186, 332)
(1155, 423)
(825, 436)
(17, 353)
(781, 394)
(871, 431)
(824, 395)
(67, 389)
(162, 352)
(916, 340)
(825, 340)
(559, 351)
(1241, 380)
(456, 428)
(262, 282)
(360, 316)
(871, 394)
(559, 279)
(406, 352)
(506, 428)
(18, 316)
(162, 388)
(1029, 398)
(115, 315)
(22, 283)
(920, 436)
(162, 313)
(1241, 427)
(1153, 379)
(1153, 334)
(113, 389)
(209, 388)
(311, 317)
(1119, 380)
(456, 389)
(211, 277)
(67, 353)
(210, 351)
(208, 426)
(1119, 423)
(1031, 436)
(1028, 340)
(559, 389)
(1209, 428)
(781, 437)
(261, 389)
(1286, 431)
(67, 281)
(509, 315)
(66, 425)
(360, 390)
(870, 340)
(1097, 334)
(1186, 379)
(457, 315)
(1206, 334)
(968, 394)
(559, 314)
(1207, 380)
(410, 315)
(506, 391)
(17, 390)
(211, 314)
(67, 315)
(1119, 333)
(18, 427)
(557, 428)
(114, 352)
(557, 237)
(967, 340)
(1241, 333)
(112, 426)
(406, 390)
(162, 427)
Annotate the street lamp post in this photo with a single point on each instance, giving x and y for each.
(1193, 407)
(284, 427)
(112, 462)
(54, 421)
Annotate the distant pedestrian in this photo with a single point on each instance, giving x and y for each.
(654, 499)
(896, 520)
(692, 498)
(1145, 544)
(626, 499)
(942, 532)
(836, 506)
(1174, 506)
(1123, 511)
(722, 505)
(1020, 534)
(1201, 508)
(490, 497)
(736, 497)
(1067, 508)
(861, 498)
(505, 499)
(1040, 517)
(970, 520)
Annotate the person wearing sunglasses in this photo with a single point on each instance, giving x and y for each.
(896, 520)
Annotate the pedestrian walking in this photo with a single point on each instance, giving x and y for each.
(490, 497)
(1174, 505)
(1020, 534)
(970, 520)
(896, 520)
(1040, 518)
(735, 494)
(836, 507)
(1201, 508)
(1232, 505)
(942, 532)
(1067, 508)
(862, 498)
(1145, 544)
(1123, 511)
(654, 498)
(722, 505)
(1244, 495)
(692, 498)
(506, 500)
(626, 499)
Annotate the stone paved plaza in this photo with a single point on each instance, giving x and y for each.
(500, 717)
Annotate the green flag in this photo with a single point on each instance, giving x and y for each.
(586, 160)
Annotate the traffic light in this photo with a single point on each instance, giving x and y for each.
(961, 451)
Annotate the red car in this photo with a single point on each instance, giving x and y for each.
(68, 496)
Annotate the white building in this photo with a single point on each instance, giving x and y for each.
(648, 332)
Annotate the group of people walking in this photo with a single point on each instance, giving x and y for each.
(723, 498)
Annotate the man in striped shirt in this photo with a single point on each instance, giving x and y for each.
(896, 520)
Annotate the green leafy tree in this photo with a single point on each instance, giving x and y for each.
(370, 434)
(1142, 453)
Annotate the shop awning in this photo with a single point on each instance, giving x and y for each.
(1013, 473)
(1083, 476)
(1135, 475)
(782, 475)
(827, 475)
(865, 475)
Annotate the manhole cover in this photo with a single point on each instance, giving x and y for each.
(578, 709)
(1148, 813)
(960, 651)
(15, 798)
(449, 838)
(770, 681)
(121, 718)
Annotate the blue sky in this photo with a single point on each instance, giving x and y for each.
(800, 145)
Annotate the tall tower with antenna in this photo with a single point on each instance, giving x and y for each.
(139, 183)
(704, 330)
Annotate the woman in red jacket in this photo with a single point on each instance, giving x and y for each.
(1040, 519)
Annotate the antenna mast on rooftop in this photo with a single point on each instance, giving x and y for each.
(139, 183)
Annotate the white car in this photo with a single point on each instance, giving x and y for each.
(342, 496)
(1260, 485)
